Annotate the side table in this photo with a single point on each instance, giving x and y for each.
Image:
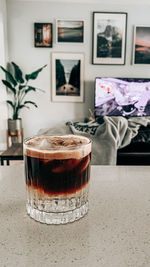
(15, 152)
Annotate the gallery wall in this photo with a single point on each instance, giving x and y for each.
(21, 18)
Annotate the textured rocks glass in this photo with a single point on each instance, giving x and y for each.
(57, 172)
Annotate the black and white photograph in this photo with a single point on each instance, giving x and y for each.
(141, 51)
(70, 31)
(109, 38)
(43, 35)
(67, 77)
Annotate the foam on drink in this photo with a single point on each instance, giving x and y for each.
(58, 147)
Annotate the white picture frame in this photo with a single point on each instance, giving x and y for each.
(141, 45)
(70, 31)
(67, 77)
(109, 38)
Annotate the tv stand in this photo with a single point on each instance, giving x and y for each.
(138, 151)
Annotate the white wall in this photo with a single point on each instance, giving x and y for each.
(3, 58)
(21, 17)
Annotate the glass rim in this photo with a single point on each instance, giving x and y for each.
(65, 149)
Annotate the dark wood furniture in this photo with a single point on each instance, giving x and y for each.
(15, 152)
(138, 151)
(134, 154)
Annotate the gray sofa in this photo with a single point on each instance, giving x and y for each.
(115, 140)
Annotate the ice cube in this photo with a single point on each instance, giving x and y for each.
(45, 144)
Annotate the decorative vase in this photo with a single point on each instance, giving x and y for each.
(14, 126)
(15, 130)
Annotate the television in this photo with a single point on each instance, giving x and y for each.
(122, 97)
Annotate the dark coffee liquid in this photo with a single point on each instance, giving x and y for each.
(57, 176)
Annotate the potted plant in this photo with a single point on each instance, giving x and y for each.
(18, 86)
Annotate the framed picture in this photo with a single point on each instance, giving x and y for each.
(43, 35)
(141, 47)
(109, 38)
(69, 31)
(67, 77)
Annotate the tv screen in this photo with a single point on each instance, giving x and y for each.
(122, 97)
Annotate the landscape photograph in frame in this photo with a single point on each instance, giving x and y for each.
(70, 31)
(109, 38)
(67, 77)
(141, 51)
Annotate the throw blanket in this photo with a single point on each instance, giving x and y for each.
(112, 134)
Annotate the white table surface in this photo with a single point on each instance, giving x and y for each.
(114, 233)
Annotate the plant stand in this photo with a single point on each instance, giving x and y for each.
(14, 137)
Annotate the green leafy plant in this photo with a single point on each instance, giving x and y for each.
(18, 85)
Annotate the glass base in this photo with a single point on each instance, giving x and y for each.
(58, 209)
(57, 217)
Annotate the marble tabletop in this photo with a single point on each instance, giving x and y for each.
(114, 233)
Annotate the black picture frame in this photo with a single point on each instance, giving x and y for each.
(109, 38)
(43, 34)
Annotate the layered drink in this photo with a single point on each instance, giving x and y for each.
(57, 170)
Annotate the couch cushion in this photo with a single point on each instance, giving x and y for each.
(143, 135)
(89, 128)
